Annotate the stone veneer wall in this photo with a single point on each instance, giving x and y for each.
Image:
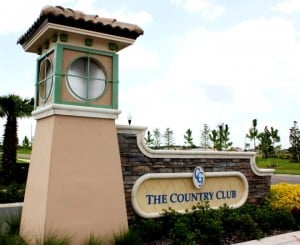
(137, 160)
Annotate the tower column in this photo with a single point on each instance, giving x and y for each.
(75, 185)
(75, 182)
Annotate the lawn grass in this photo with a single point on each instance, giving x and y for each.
(23, 155)
(281, 166)
(24, 150)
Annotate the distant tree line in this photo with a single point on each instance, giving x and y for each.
(218, 138)
(265, 142)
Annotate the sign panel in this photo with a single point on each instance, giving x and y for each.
(155, 192)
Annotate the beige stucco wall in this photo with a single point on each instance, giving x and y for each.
(75, 182)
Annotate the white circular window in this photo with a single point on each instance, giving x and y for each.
(45, 79)
(86, 79)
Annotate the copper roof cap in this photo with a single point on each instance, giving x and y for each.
(75, 18)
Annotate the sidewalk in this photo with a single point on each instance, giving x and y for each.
(292, 238)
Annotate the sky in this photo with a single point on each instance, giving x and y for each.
(198, 62)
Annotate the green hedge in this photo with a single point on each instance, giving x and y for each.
(203, 226)
(217, 226)
(12, 193)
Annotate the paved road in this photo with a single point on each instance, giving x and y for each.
(280, 178)
(23, 156)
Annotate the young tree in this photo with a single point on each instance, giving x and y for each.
(220, 137)
(26, 142)
(213, 136)
(12, 107)
(169, 138)
(275, 138)
(157, 138)
(149, 139)
(268, 138)
(265, 145)
(253, 133)
(294, 139)
(188, 139)
(224, 136)
(204, 141)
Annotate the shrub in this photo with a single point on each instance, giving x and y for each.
(206, 224)
(52, 238)
(12, 193)
(182, 232)
(11, 240)
(296, 214)
(149, 229)
(239, 223)
(129, 237)
(221, 226)
(285, 195)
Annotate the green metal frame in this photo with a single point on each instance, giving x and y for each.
(59, 76)
(38, 82)
(45, 80)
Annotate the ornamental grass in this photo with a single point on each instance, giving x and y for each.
(285, 195)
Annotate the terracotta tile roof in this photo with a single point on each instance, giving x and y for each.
(78, 19)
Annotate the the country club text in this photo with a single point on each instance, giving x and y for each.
(190, 197)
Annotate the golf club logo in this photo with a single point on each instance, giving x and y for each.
(198, 177)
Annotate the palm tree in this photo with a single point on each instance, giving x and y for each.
(12, 107)
(274, 137)
(253, 133)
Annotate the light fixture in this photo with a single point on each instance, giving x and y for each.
(129, 118)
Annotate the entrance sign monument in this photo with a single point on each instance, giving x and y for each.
(86, 175)
(75, 184)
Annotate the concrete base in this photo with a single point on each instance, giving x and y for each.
(74, 184)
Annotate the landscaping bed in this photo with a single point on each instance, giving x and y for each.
(276, 215)
(221, 226)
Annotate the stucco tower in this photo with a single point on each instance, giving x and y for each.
(74, 184)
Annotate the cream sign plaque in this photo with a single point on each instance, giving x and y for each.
(154, 192)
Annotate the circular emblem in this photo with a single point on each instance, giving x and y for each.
(198, 177)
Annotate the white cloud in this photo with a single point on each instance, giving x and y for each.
(208, 8)
(287, 6)
(125, 15)
(138, 58)
(255, 53)
(17, 16)
(229, 76)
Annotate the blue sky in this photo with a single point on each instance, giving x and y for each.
(199, 61)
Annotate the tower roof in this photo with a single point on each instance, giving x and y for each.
(78, 19)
